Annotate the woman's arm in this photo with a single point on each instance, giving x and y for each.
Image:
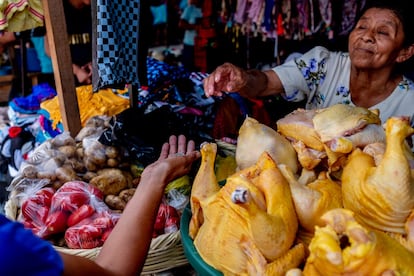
(125, 251)
(249, 83)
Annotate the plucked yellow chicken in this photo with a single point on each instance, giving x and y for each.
(381, 196)
(250, 223)
(313, 198)
(204, 185)
(254, 138)
(330, 133)
(345, 247)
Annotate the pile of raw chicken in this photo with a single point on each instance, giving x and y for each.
(330, 192)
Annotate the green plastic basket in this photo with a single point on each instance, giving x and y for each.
(201, 267)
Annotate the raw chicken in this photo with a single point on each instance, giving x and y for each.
(298, 126)
(330, 133)
(345, 247)
(342, 120)
(381, 196)
(255, 138)
(253, 213)
(313, 199)
(204, 185)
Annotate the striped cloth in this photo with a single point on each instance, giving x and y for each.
(20, 15)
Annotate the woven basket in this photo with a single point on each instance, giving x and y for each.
(166, 251)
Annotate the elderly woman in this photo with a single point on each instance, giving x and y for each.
(368, 75)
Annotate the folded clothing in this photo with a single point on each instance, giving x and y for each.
(31, 103)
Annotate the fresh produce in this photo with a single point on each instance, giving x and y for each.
(81, 213)
(71, 191)
(92, 231)
(111, 181)
(167, 220)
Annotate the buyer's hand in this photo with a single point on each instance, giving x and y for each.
(175, 160)
(226, 78)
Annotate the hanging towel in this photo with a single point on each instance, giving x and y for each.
(116, 43)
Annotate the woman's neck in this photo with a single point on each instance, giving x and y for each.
(369, 88)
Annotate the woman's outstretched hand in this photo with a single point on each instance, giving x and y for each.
(226, 78)
(176, 158)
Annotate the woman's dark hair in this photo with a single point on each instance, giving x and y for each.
(403, 9)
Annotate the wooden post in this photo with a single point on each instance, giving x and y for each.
(62, 65)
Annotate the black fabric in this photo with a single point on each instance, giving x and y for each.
(143, 134)
(79, 21)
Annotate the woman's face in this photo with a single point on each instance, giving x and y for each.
(377, 40)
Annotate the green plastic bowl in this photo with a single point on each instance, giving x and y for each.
(198, 264)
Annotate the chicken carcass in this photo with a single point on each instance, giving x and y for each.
(204, 185)
(337, 126)
(313, 199)
(381, 196)
(253, 212)
(330, 133)
(255, 138)
(345, 247)
(298, 126)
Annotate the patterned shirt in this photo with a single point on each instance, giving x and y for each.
(322, 77)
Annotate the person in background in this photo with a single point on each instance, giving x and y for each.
(78, 17)
(38, 38)
(125, 250)
(189, 22)
(160, 17)
(370, 74)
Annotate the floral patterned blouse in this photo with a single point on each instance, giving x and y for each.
(322, 77)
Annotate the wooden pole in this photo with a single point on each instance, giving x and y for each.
(62, 65)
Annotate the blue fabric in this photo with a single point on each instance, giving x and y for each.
(160, 72)
(116, 45)
(31, 103)
(22, 253)
(45, 61)
(159, 14)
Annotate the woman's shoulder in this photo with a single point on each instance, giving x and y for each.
(323, 53)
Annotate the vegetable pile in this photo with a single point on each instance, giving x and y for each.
(72, 191)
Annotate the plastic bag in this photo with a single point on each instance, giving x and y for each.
(92, 231)
(167, 220)
(22, 189)
(47, 212)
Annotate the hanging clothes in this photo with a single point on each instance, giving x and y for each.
(20, 15)
(116, 44)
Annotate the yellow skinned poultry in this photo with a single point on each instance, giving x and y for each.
(204, 185)
(381, 196)
(330, 133)
(254, 138)
(250, 223)
(312, 199)
(345, 247)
